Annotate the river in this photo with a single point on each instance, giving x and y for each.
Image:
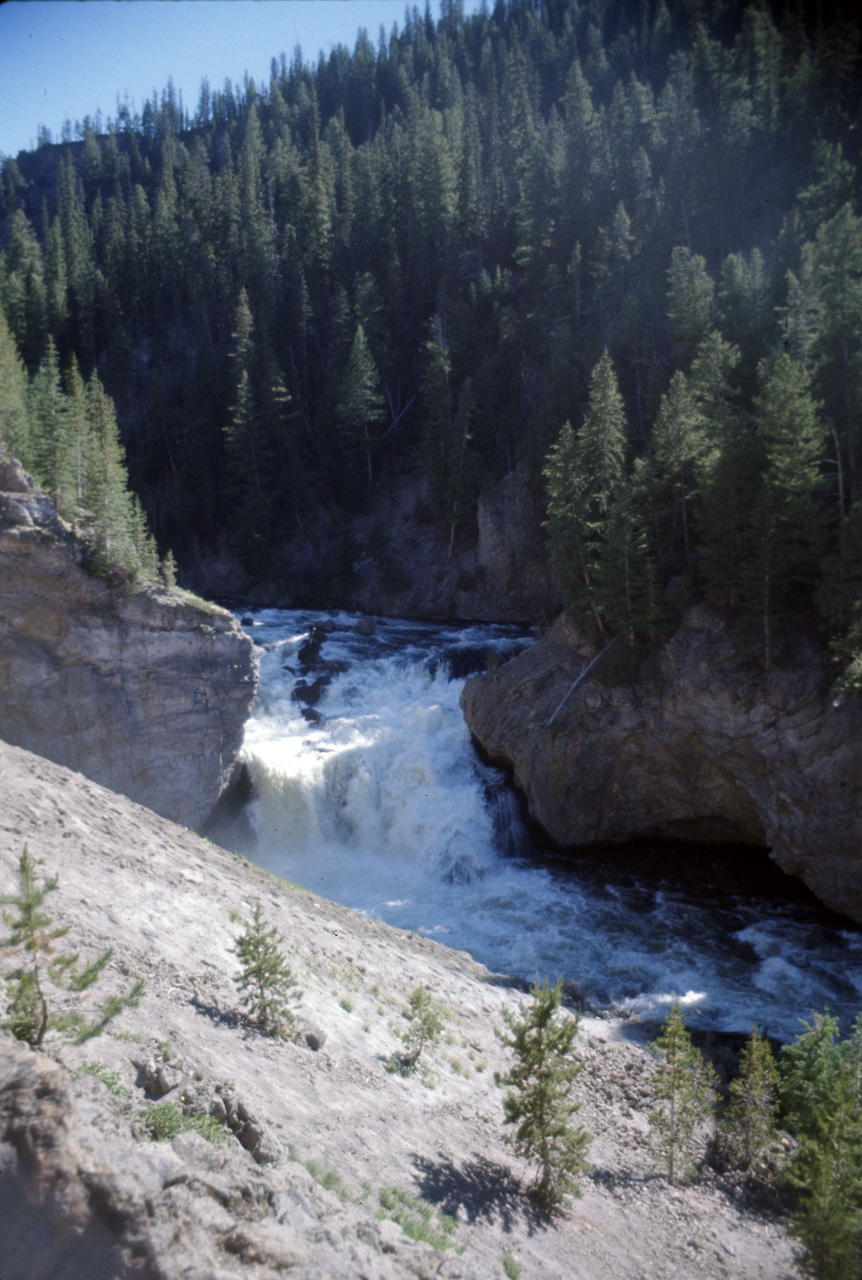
(374, 797)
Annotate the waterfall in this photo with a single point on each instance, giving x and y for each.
(368, 791)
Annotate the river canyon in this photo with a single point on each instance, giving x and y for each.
(368, 790)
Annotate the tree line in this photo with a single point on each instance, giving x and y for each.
(638, 220)
(64, 430)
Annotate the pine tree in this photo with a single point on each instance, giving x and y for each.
(749, 1122)
(251, 465)
(168, 570)
(624, 589)
(794, 436)
(108, 510)
(265, 980)
(47, 409)
(821, 1091)
(678, 446)
(359, 408)
(690, 302)
(15, 439)
(539, 1102)
(684, 1086)
(426, 1027)
(22, 288)
(37, 985)
(567, 520)
(602, 438)
(787, 521)
(146, 551)
(437, 407)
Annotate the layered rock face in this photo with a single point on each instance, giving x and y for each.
(145, 693)
(711, 750)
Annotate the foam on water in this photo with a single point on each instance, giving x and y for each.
(383, 806)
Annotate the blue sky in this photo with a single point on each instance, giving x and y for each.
(64, 59)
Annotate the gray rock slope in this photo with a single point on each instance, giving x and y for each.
(318, 1140)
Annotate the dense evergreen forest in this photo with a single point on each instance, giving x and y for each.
(616, 243)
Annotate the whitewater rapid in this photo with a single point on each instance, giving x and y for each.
(369, 792)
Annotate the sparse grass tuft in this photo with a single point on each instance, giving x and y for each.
(328, 1178)
(418, 1220)
(131, 1037)
(100, 1071)
(165, 1121)
(346, 1004)
(511, 1267)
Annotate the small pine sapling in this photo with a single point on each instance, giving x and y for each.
(748, 1125)
(685, 1085)
(168, 570)
(36, 984)
(265, 979)
(539, 1102)
(425, 1028)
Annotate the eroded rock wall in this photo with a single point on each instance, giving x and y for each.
(711, 750)
(145, 693)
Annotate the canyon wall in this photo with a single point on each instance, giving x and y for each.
(711, 748)
(144, 692)
(395, 561)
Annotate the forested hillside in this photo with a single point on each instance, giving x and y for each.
(616, 242)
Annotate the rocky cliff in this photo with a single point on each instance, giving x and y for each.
(711, 749)
(393, 560)
(146, 693)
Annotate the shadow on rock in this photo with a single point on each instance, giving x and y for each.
(233, 1018)
(481, 1188)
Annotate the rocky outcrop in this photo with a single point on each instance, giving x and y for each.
(62, 1217)
(146, 693)
(712, 749)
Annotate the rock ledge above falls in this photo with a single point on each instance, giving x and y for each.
(145, 693)
(712, 750)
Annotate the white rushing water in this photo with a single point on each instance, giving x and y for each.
(375, 798)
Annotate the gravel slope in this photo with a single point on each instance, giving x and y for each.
(86, 1195)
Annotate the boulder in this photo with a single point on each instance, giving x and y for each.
(712, 749)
